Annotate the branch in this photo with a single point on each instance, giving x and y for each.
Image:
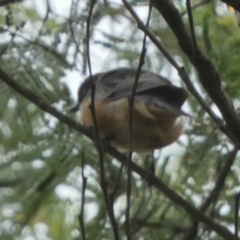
(151, 178)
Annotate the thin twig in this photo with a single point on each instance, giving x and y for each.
(151, 178)
(81, 215)
(103, 183)
(191, 23)
(131, 104)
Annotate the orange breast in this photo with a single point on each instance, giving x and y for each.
(109, 117)
(152, 128)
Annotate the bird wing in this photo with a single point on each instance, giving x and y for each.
(151, 88)
(119, 83)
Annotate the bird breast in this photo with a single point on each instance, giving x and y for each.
(152, 127)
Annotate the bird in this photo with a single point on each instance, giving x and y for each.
(157, 117)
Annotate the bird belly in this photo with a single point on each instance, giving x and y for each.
(152, 127)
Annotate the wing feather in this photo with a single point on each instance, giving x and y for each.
(119, 83)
